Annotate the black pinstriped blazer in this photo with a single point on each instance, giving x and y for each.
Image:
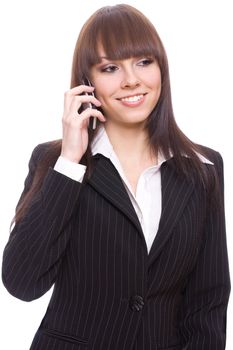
(109, 294)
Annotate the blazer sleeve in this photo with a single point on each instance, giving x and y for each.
(207, 292)
(37, 243)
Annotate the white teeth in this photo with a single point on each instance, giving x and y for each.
(132, 98)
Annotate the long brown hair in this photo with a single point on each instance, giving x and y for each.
(125, 32)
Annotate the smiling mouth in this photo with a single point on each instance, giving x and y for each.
(134, 98)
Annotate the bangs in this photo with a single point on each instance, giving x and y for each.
(123, 36)
(122, 32)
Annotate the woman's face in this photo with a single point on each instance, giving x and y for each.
(128, 89)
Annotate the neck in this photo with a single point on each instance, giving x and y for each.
(130, 143)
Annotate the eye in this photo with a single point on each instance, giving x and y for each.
(145, 61)
(111, 68)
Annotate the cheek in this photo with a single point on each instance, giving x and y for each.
(154, 79)
(156, 86)
(101, 96)
(104, 90)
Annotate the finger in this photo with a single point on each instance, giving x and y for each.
(72, 109)
(88, 99)
(74, 118)
(73, 101)
(77, 90)
(90, 112)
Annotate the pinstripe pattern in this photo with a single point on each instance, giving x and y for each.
(87, 239)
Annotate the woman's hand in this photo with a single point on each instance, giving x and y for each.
(75, 133)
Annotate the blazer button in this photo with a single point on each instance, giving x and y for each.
(136, 303)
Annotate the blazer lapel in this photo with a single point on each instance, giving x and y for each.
(107, 181)
(176, 190)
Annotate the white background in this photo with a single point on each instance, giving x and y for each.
(37, 42)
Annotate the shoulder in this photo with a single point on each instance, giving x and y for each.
(44, 147)
(46, 151)
(215, 172)
(212, 155)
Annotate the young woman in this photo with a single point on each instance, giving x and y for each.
(125, 219)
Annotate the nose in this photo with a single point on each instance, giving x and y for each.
(130, 79)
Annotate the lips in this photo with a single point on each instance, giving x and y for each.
(133, 100)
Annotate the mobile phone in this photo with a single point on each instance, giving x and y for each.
(86, 81)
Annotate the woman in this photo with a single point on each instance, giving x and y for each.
(126, 220)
